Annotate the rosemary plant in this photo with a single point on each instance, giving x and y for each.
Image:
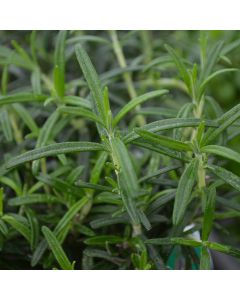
(127, 167)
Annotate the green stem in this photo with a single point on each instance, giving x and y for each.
(127, 76)
(122, 62)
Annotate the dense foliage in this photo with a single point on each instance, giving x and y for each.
(119, 150)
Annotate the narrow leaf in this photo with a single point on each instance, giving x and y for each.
(59, 61)
(60, 227)
(226, 176)
(21, 98)
(212, 76)
(18, 224)
(168, 124)
(92, 79)
(135, 102)
(158, 173)
(184, 191)
(33, 199)
(179, 64)
(103, 240)
(174, 241)
(163, 141)
(81, 112)
(222, 151)
(224, 122)
(56, 248)
(208, 213)
(127, 179)
(53, 150)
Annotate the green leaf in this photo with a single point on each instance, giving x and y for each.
(162, 199)
(158, 173)
(36, 81)
(61, 227)
(53, 150)
(200, 132)
(224, 122)
(103, 240)
(21, 51)
(34, 227)
(103, 255)
(168, 124)
(186, 111)
(157, 111)
(205, 259)
(87, 38)
(85, 230)
(56, 248)
(212, 58)
(163, 141)
(135, 102)
(1, 201)
(174, 241)
(12, 184)
(4, 80)
(77, 101)
(81, 112)
(222, 151)
(3, 228)
(107, 109)
(75, 174)
(60, 185)
(179, 64)
(33, 199)
(21, 98)
(230, 47)
(44, 136)
(59, 64)
(226, 176)
(208, 212)
(6, 124)
(184, 191)
(212, 76)
(92, 79)
(159, 149)
(108, 220)
(11, 57)
(97, 187)
(18, 223)
(98, 167)
(193, 243)
(127, 179)
(223, 248)
(66, 219)
(26, 117)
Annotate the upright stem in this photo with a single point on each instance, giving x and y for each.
(17, 132)
(201, 175)
(136, 227)
(127, 76)
(122, 62)
(201, 171)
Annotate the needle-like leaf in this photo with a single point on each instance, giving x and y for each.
(135, 102)
(53, 150)
(184, 191)
(222, 151)
(56, 248)
(156, 139)
(226, 176)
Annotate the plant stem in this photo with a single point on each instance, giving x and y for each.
(16, 130)
(122, 62)
(127, 76)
